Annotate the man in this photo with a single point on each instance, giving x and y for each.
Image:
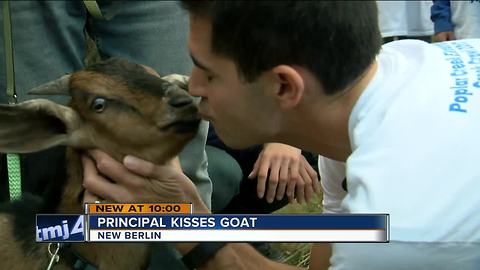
(312, 75)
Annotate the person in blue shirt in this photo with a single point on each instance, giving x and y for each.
(455, 19)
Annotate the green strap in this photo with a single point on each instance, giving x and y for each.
(13, 160)
(93, 9)
(14, 176)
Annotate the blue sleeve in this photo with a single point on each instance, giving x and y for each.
(441, 16)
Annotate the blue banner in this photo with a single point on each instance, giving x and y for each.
(60, 228)
(244, 222)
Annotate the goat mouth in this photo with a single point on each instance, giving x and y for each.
(183, 125)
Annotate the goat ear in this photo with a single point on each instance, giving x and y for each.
(36, 125)
(56, 87)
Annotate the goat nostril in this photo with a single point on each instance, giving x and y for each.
(181, 101)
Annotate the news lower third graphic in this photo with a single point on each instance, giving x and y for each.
(176, 223)
(60, 228)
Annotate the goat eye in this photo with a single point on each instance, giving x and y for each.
(98, 104)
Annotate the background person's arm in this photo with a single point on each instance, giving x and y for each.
(287, 172)
(442, 22)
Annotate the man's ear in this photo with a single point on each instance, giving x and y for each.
(290, 85)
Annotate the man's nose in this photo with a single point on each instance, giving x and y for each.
(195, 88)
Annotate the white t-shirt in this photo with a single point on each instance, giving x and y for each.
(404, 18)
(465, 18)
(332, 174)
(415, 137)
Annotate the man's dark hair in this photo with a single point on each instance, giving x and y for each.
(336, 40)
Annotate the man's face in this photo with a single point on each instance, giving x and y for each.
(242, 113)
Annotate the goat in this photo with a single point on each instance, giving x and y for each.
(117, 106)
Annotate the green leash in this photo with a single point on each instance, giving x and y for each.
(14, 177)
(13, 160)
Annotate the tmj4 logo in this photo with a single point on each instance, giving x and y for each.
(62, 230)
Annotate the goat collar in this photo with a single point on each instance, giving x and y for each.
(75, 260)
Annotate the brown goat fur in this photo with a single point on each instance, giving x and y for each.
(117, 106)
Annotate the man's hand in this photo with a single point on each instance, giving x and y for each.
(444, 36)
(137, 180)
(290, 173)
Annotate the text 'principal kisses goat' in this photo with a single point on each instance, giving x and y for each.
(116, 106)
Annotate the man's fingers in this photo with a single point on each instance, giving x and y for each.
(300, 191)
(96, 183)
(308, 184)
(113, 169)
(291, 187)
(254, 171)
(282, 184)
(314, 176)
(139, 166)
(262, 178)
(273, 180)
(316, 184)
(284, 178)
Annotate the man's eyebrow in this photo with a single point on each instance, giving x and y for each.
(199, 65)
